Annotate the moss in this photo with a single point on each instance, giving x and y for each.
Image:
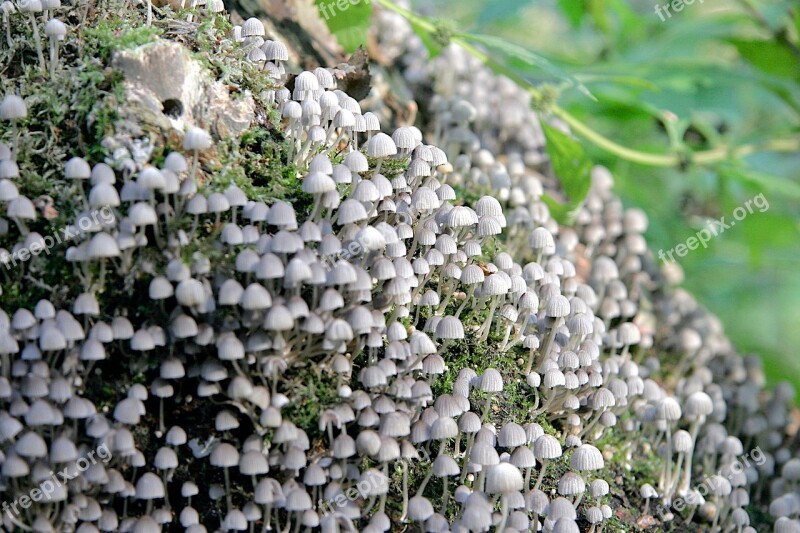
(227, 63)
(68, 115)
(117, 33)
(313, 391)
(390, 167)
(255, 163)
(470, 195)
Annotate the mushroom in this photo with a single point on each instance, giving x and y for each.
(195, 140)
(31, 7)
(8, 8)
(149, 488)
(698, 406)
(225, 456)
(13, 109)
(56, 31)
(490, 382)
(380, 146)
(503, 479)
(545, 448)
(668, 410)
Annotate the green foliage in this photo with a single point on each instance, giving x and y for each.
(347, 21)
(520, 58)
(117, 33)
(572, 168)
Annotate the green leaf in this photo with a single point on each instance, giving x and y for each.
(500, 11)
(768, 183)
(597, 8)
(434, 49)
(796, 15)
(628, 81)
(572, 168)
(574, 10)
(347, 21)
(527, 57)
(768, 56)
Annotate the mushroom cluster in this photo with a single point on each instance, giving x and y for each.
(23, 16)
(482, 367)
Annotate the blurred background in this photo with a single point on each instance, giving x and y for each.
(716, 73)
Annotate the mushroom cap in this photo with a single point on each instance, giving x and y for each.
(197, 139)
(381, 145)
(419, 509)
(12, 107)
(103, 246)
(55, 29)
(503, 478)
(512, 435)
(225, 455)
(77, 168)
(450, 327)
(547, 447)
(490, 381)
(149, 487)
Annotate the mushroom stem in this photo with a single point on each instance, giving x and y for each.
(672, 483)
(531, 359)
(541, 473)
(665, 480)
(503, 513)
(228, 499)
(149, 12)
(424, 483)
(482, 478)
(487, 324)
(15, 138)
(592, 423)
(404, 510)
(7, 24)
(161, 426)
(467, 451)
(267, 518)
(53, 57)
(687, 468)
(551, 336)
(166, 492)
(578, 500)
(38, 42)
(504, 345)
